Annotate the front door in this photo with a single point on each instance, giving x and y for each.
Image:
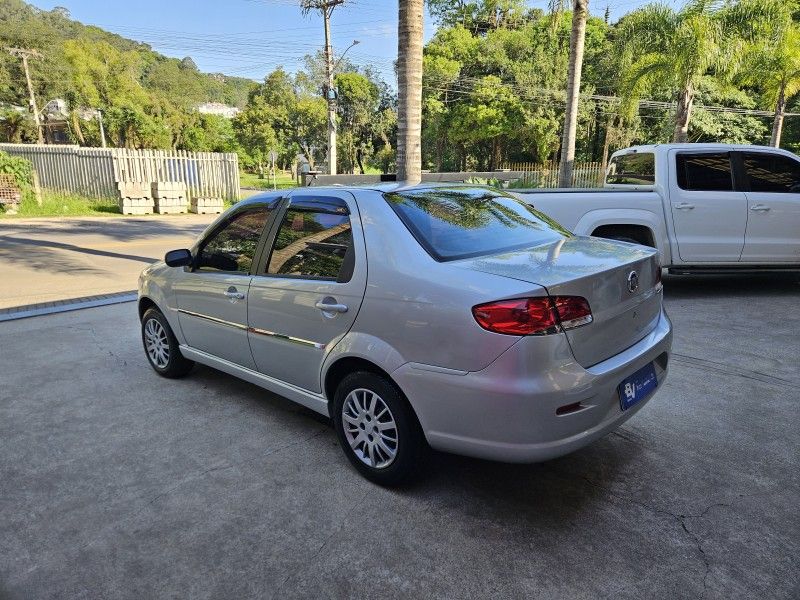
(212, 295)
(773, 199)
(307, 292)
(709, 215)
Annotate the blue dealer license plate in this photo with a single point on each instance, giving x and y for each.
(637, 387)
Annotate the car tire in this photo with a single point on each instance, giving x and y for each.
(161, 346)
(377, 429)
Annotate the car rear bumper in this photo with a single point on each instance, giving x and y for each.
(507, 411)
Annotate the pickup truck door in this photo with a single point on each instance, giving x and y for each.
(709, 215)
(773, 199)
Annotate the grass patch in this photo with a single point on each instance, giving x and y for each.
(60, 204)
(282, 181)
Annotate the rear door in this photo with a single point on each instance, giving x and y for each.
(709, 215)
(773, 199)
(212, 294)
(308, 289)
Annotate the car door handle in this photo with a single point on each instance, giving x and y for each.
(233, 294)
(759, 208)
(684, 206)
(326, 307)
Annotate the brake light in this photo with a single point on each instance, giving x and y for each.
(533, 316)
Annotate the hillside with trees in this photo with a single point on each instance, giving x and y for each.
(147, 99)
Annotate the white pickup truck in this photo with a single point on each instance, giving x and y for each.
(704, 206)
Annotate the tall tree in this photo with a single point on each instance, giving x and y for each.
(770, 56)
(580, 10)
(409, 96)
(671, 48)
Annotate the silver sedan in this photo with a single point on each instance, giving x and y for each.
(451, 317)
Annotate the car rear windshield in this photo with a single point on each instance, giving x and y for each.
(466, 222)
(632, 169)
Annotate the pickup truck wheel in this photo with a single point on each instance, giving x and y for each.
(161, 346)
(377, 429)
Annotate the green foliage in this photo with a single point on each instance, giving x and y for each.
(22, 170)
(58, 204)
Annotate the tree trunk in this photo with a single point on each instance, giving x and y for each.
(777, 124)
(409, 91)
(606, 146)
(579, 12)
(683, 114)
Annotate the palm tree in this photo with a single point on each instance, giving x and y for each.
(770, 57)
(409, 91)
(576, 41)
(673, 48)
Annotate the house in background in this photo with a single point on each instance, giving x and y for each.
(217, 108)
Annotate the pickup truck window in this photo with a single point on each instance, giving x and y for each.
(632, 169)
(772, 172)
(706, 172)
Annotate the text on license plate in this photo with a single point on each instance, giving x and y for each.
(637, 386)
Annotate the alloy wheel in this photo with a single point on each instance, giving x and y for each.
(370, 428)
(156, 343)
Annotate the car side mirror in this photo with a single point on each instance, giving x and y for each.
(178, 258)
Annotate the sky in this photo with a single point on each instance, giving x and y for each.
(250, 38)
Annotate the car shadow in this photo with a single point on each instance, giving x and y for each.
(543, 493)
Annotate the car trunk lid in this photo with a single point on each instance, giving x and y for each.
(621, 282)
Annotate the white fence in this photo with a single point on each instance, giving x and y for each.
(584, 174)
(95, 172)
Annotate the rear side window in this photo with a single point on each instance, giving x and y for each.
(464, 222)
(705, 172)
(313, 245)
(772, 172)
(231, 248)
(632, 169)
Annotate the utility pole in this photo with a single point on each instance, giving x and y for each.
(25, 55)
(326, 8)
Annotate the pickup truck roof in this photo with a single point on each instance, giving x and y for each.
(655, 148)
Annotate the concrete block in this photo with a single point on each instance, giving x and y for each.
(207, 206)
(133, 190)
(136, 206)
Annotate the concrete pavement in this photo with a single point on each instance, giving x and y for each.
(44, 260)
(115, 483)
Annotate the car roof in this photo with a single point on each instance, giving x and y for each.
(383, 188)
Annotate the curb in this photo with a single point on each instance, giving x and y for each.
(59, 306)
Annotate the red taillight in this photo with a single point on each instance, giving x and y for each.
(533, 316)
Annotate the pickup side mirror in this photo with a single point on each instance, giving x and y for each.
(178, 258)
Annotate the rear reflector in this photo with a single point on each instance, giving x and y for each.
(533, 316)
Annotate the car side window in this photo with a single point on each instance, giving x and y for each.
(232, 248)
(314, 244)
(706, 172)
(772, 172)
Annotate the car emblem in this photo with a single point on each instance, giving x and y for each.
(633, 281)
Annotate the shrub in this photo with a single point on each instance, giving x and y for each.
(21, 169)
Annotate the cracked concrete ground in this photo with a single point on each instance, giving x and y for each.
(115, 483)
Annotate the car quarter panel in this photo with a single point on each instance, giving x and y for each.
(418, 303)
